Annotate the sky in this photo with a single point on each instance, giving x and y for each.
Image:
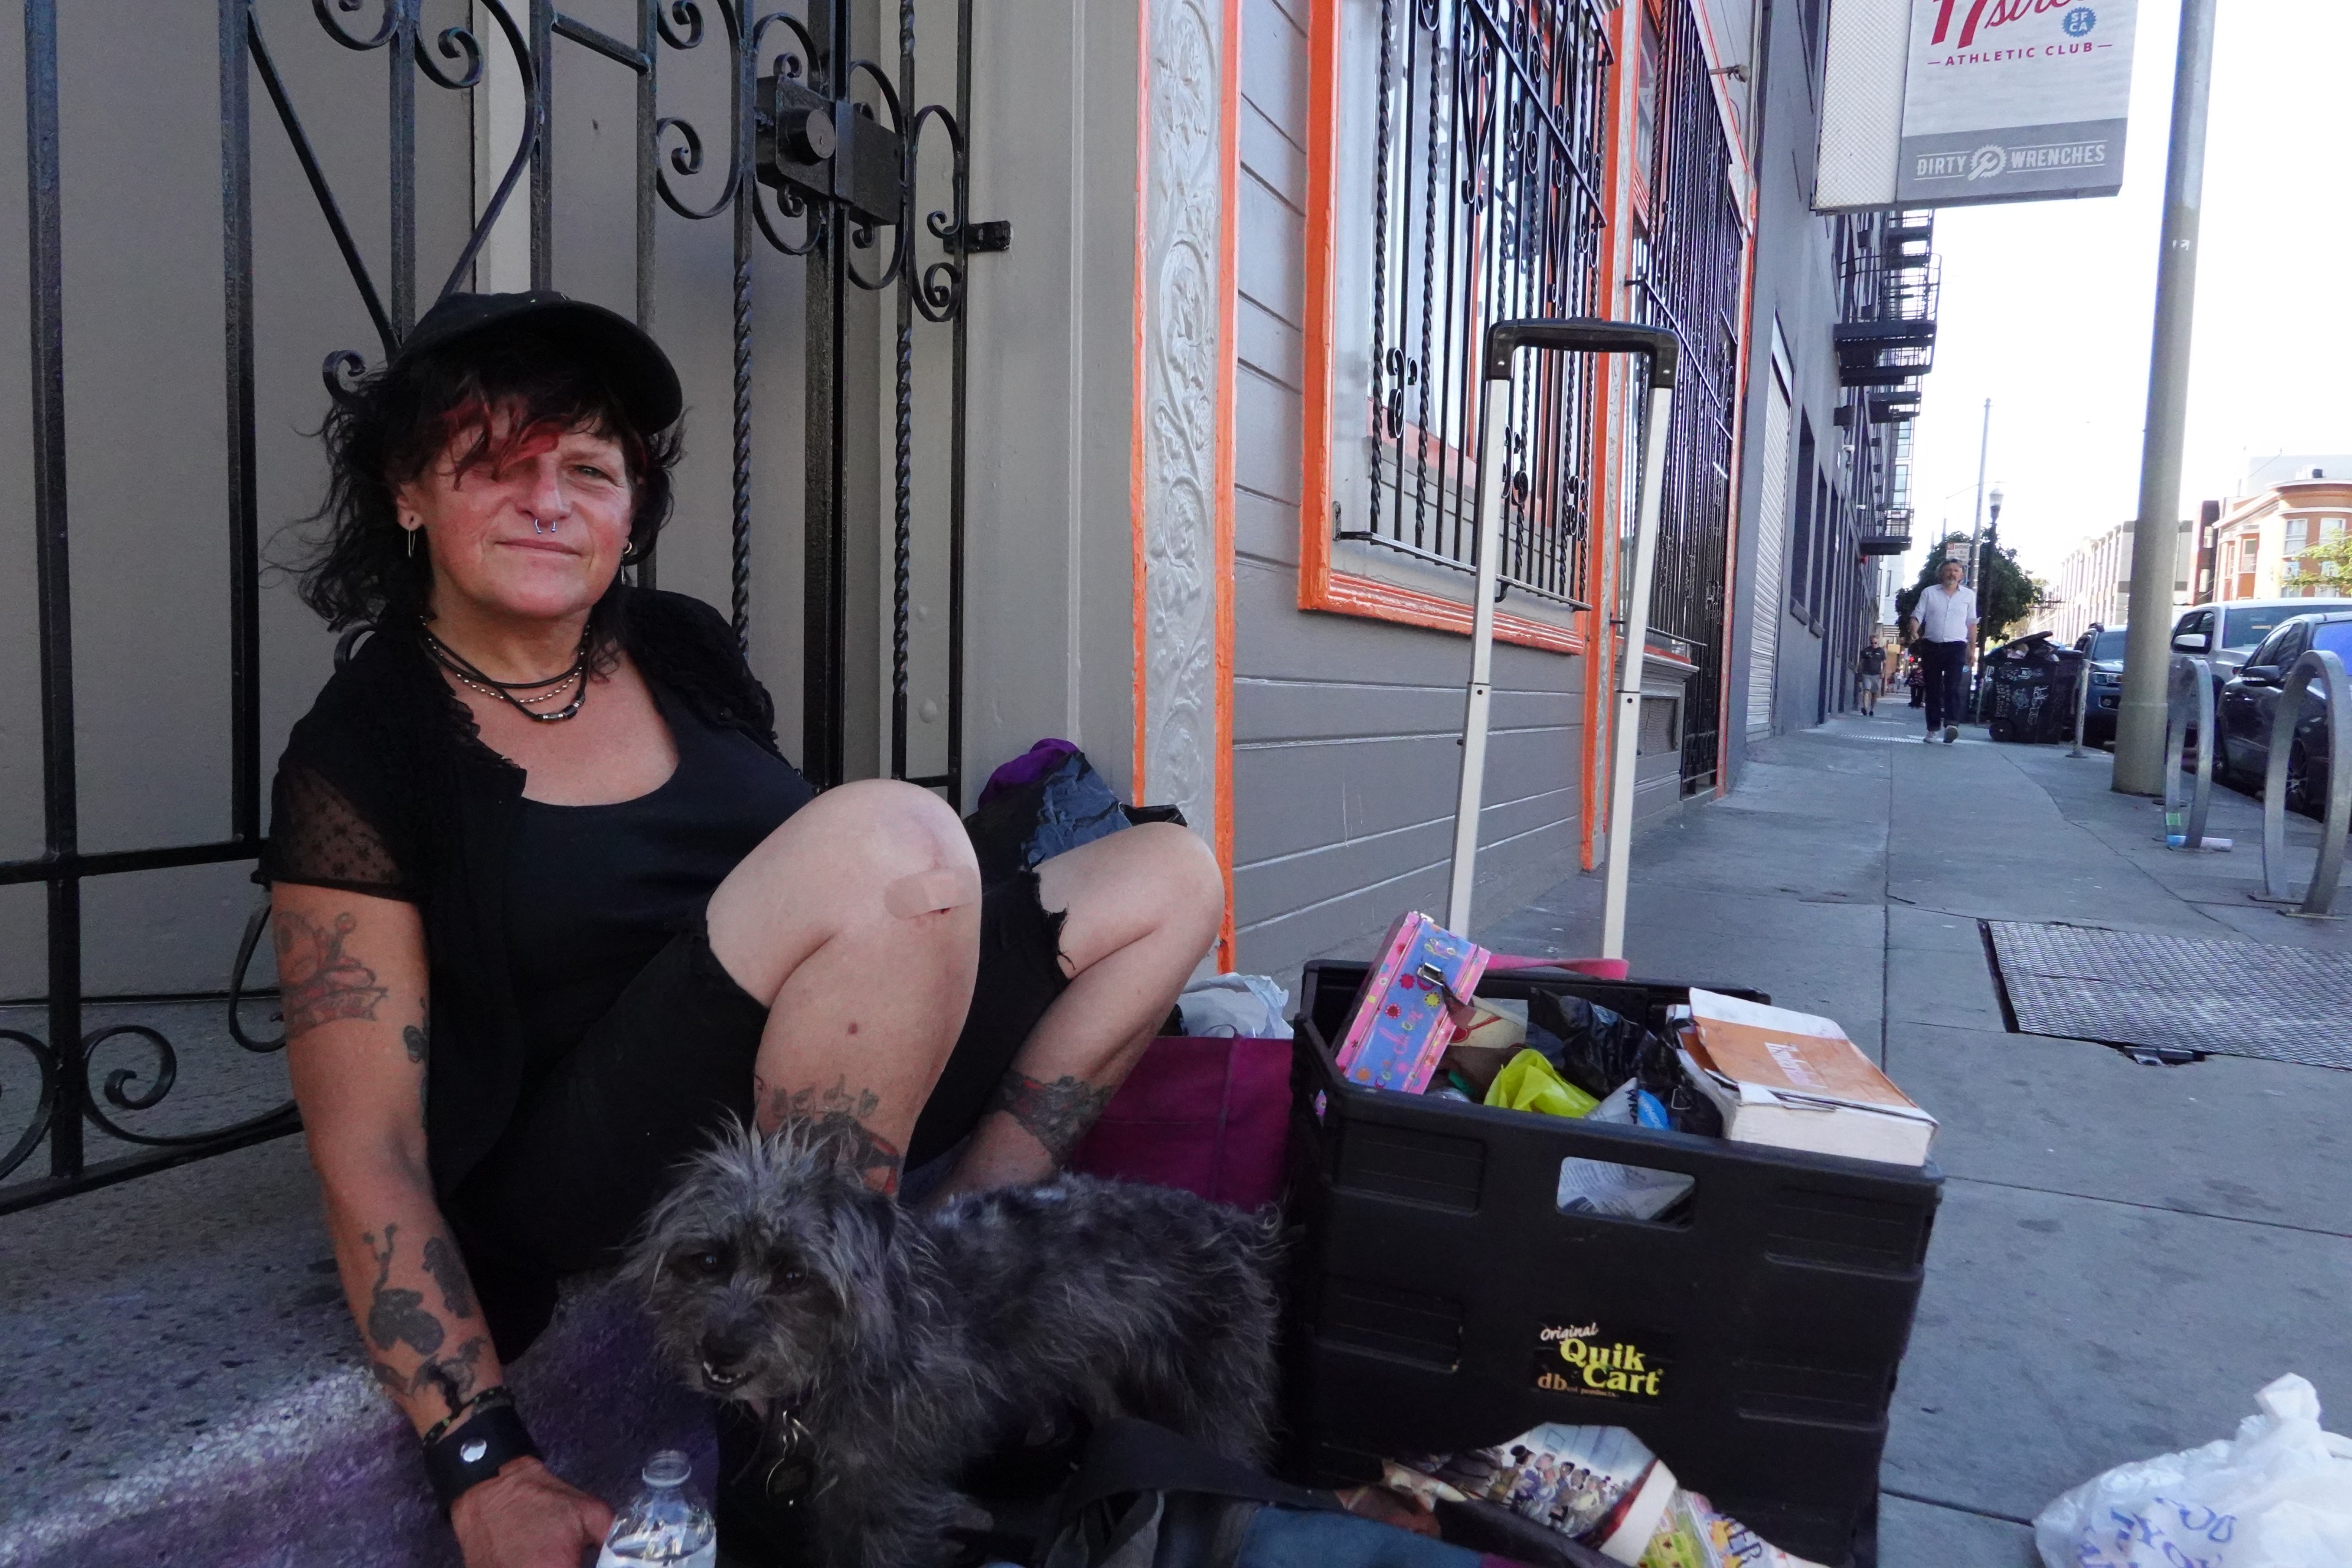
(2048, 306)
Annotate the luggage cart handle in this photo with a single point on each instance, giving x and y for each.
(1573, 336)
(1505, 338)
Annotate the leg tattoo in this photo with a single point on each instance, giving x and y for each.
(838, 1116)
(1056, 1114)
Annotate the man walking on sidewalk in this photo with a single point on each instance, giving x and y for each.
(1945, 623)
(1870, 665)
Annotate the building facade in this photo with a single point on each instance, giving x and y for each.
(1842, 321)
(2263, 538)
(1107, 371)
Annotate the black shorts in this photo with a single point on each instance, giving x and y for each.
(596, 1140)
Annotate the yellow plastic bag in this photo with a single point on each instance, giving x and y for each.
(1528, 1083)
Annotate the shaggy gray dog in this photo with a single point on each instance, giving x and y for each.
(891, 1346)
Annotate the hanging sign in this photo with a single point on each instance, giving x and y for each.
(2015, 101)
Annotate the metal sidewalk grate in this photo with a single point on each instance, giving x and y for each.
(2232, 998)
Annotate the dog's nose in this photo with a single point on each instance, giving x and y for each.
(724, 1352)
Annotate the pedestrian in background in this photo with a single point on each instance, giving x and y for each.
(1871, 665)
(1943, 624)
(1913, 678)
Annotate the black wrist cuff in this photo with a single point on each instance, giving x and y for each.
(465, 1458)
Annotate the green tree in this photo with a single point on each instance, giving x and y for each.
(2003, 601)
(2317, 557)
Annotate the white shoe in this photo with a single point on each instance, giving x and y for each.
(1929, 738)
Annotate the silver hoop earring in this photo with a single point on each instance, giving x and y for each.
(411, 543)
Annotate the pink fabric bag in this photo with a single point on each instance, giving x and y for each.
(1209, 1115)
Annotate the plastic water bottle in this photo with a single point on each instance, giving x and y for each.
(666, 1526)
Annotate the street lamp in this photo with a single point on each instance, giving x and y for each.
(1984, 579)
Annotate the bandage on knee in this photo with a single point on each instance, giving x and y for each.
(930, 892)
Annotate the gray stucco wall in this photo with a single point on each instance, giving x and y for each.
(1344, 760)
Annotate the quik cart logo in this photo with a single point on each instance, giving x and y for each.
(1585, 1358)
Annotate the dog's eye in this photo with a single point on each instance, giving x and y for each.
(709, 1262)
(791, 1278)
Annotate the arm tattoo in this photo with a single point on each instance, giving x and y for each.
(454, 1376)
(1056, 1114)
(448, 1272)
(398, 1317)
(837, 1116)
(318, 982)
(418, 1044)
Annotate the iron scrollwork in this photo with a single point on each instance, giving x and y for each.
(878, 137)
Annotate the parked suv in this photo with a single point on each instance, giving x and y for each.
(2103, 649)
(2250, 704)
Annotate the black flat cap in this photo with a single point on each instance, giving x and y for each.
(640, 375)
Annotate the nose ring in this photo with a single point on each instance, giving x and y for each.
(537, 526)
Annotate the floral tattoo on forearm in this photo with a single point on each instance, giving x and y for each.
(1056, 1114)
(836, 1116)
(318, 982)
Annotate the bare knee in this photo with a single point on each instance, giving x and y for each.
(895, 821)
(830, 870)
(1187, 884)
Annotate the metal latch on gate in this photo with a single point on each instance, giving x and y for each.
(825, 149)
(834, 150)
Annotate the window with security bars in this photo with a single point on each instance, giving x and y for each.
(1473, 190)
(1686, 275)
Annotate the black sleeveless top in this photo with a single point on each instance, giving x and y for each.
(386, 789)
(594, 891)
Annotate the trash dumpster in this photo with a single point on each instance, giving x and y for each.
(2028, 694)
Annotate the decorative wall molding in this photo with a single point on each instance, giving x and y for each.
(1184, 309)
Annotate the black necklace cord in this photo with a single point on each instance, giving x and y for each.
(470, 674)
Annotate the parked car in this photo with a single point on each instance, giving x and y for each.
(2104, 649)
(2226, 632)
(2249, 706)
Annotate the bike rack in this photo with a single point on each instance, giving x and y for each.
(2082, 705)
(2187, 670)
(2318, 896)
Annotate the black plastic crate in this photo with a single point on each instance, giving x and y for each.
(1759, 1328)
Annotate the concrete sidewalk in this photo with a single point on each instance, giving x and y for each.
(2124, 1252)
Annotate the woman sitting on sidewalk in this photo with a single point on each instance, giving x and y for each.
(550, 905)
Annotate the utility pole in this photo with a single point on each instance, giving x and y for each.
(1984, 574)
(2147, 648)
(1975, 528)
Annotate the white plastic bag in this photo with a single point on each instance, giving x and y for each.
(1247, 1005)
(2279, 1495)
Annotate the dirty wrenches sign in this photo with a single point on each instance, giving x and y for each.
(2010, 98)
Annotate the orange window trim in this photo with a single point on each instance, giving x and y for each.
(1322, 585)
(1228, 152)
(1135, 484)
(1601, 672)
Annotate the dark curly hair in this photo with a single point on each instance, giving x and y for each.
(401, 418)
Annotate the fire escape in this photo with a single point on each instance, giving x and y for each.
(1885, 339)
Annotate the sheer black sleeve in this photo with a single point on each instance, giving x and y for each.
(319, 837)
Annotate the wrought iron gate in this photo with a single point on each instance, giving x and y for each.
(823, 151)
(1687, 277)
